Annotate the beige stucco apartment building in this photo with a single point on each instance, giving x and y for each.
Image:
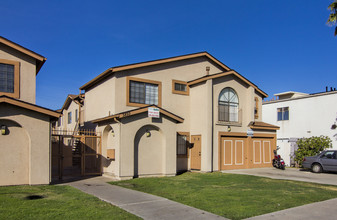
(25, 154)
(209, 118)
(71, 114)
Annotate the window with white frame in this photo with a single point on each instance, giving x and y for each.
(228, 110)
(283, 114)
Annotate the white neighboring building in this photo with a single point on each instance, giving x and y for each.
(301, 115)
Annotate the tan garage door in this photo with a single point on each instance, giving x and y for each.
(233, 153)
(262, 151)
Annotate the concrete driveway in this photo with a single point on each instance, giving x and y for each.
(290, 174)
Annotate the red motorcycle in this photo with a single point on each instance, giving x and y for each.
(278, 162)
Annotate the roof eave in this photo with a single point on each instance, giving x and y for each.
(138, 111)
(150, 63)
(29, 106)
(39, 58)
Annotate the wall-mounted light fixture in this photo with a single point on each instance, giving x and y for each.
(148, 134)
(113, 132)
(3, 129)
(229, 129)
(207, 70)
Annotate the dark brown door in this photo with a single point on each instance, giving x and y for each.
(196, 152)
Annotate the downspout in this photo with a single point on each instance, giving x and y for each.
(120, 141)
(212, 141)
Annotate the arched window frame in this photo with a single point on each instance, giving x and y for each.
(228, 105)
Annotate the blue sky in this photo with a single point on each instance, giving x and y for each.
(278, 45)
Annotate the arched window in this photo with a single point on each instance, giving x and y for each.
(228, 105)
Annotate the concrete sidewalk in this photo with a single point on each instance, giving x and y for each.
(138, 203)
(320, 210)
(149, 206)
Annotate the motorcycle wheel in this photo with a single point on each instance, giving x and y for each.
(283, 167)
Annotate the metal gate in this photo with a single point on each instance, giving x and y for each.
(75, 155)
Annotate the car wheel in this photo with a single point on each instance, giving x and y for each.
(316, 168)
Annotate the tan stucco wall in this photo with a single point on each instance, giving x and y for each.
(160, 147)
(27, 72)
(201, 123)
(110, 95)
(37, 129)
(14, 155)
(110, 141)
(101, 99)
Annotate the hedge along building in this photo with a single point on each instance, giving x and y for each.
(25, 127)
(205, 110)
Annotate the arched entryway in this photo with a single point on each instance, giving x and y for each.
(14, 154)
(148, 151)
(107, 143)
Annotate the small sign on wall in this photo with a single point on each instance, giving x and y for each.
(250, 132)
(153, 112)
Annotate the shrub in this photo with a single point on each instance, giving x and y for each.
(311, 147)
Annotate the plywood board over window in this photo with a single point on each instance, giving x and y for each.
(10, 78)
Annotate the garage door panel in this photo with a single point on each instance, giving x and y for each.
(228, 152)
(257, 151)
(232, 153)
(267, 151)
(239, 152)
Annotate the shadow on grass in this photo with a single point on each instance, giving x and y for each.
(34, 197)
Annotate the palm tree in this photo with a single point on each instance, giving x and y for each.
(333, 15)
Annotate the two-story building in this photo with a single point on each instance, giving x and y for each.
(71, 114)
(189, 112)
(25, 140)
(301, 115)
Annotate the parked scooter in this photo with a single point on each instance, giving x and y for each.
(278, 162)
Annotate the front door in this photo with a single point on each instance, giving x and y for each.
(196, 152)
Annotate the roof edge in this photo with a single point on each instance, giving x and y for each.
(214, 76)
(263, 126)
(29, 106)
(138, 111)
(150, 63)
(40, 59)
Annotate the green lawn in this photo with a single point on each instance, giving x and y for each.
(57, 202)
(233, 196)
